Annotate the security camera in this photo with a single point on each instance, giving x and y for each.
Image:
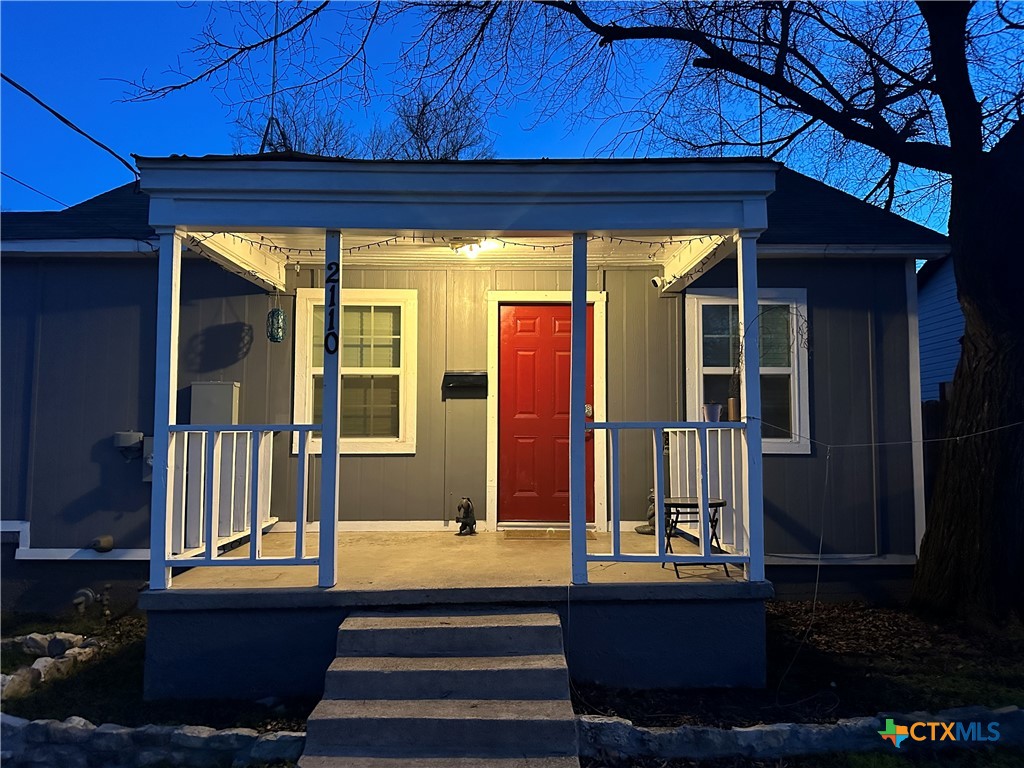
(658, 282)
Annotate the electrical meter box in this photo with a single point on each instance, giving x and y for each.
(215, 402)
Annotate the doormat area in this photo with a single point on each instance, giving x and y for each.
(543, 534)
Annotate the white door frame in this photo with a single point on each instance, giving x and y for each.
(599, 299)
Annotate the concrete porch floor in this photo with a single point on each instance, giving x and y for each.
(382, 561)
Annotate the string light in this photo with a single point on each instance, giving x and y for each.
(265, 244)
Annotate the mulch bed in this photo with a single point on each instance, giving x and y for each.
(992, 757)
(109, 690)
(857, 660)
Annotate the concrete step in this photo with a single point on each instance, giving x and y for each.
(442, 728)
(503, 634)
(448, 677)
(348, 761)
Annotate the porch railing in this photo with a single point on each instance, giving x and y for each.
(704, 460)
(220, 478)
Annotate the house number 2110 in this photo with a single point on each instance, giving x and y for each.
(331, 325)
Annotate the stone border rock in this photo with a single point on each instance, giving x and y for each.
(58, 654)
(77, 743)
(613, 739)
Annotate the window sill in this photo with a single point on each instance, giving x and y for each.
(769, 447)
(350, 447)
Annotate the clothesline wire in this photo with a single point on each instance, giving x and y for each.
(889, 442)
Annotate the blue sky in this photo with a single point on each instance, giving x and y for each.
(75, 56)
(72, 54)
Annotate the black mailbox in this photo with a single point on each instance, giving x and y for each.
(464, 385)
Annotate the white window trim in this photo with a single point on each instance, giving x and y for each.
(302, 412)
(799, 392)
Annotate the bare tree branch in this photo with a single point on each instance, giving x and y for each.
(922, 154)
(152, 94)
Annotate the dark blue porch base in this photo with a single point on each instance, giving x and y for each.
(248, 644)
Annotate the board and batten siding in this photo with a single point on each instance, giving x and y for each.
(940, 324)
(859, 383)
(78, 355)
(77, 360)
(644, 382)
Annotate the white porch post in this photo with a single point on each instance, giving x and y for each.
(165, 405)
(330, 424)
(577, 417)
(750, 398)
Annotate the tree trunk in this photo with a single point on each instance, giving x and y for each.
(972, 556)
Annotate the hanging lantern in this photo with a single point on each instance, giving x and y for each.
(277, 324)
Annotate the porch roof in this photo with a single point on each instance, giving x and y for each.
(486, 197)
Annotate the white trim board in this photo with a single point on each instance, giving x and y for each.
(81, 554)
(405, 298)
(20, 527)
(916, 418)
(25, 552)
(600, 301)
(694, 300)
(92, 247)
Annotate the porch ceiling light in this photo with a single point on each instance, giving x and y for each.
(471, 246)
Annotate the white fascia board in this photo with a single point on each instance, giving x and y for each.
(489, 198)
(254, 264)
(98, 247)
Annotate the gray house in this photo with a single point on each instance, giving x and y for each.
(550, 339)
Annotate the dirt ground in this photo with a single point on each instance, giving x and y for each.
(856, 660)
(852, 660)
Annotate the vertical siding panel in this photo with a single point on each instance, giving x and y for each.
(467, 319)
(81, 384)
(20, 287)
(845, 299)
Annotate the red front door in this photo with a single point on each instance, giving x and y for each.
(533, 413)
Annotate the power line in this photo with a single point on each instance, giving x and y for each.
(29, 186)
(70, 125)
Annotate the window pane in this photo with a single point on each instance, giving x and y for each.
(721, 335)
(371, 337)
(775, 343)
(716, 390)
(369, 406)
(386, 353)
(358, 321)
(355, 352)
(318, 404)
(776, 413)
(386, 321)
(317, 331)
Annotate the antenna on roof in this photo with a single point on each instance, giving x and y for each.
(271, 142)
